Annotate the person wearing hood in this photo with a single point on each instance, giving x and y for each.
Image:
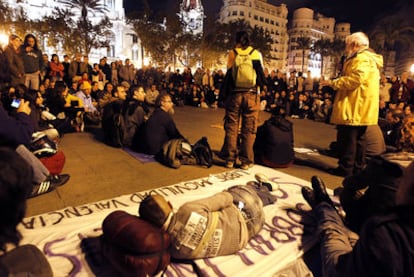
(356, 103)
(274, 142)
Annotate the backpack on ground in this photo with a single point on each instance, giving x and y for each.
(177, 152)
(133, 246)
(244, 74)
(114, 128)
(202, 152)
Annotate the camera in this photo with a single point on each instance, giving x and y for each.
(15, 103)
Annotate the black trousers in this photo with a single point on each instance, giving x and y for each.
(351, 148)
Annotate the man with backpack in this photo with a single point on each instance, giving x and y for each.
(243, 101)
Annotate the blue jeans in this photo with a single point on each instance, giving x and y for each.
(241, 108)
(32, 80)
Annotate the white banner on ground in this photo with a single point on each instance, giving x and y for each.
(279, 244)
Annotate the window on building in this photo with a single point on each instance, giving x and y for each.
(242, 13)
(256, 17)
(261, 19)
(267, 20)
(111, 51)
(234, 13)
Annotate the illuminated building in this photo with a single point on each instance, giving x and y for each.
(123, 42)
(315, 26)
(273, 19)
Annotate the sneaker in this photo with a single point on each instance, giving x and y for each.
(264, 181)
(42, 188)
(246, 166)
(58, 180)
(229, 164)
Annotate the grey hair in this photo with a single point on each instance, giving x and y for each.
(359, 39)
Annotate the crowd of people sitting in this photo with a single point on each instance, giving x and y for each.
(64, 96)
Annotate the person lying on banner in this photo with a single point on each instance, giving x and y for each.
(218, 225)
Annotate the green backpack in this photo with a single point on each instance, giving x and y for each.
(244, 75)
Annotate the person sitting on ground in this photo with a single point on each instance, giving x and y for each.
(67, 107)
(15, 185)
(385, 243)
(135, 114)
(274, 143)
(16, 132)
(390, 127)
(202, 229)
(41, 124)
(151, 95)
(113, 125)
(406, 140)
(91, 114)
(159, 128)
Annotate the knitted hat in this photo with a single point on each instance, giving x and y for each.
(250, 206)
(85, 85)
(155, 209)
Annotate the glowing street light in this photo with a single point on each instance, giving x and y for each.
(4, 40)
(412, 69)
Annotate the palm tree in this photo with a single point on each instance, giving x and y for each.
(322, 47)
(85, 5)
(337, 51)
(303, 43)
(389, 35)
(87, 34)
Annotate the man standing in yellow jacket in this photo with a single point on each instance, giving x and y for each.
(356, 103)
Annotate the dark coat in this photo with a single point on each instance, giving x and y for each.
(158, 129)
(15, 131)
(274, 143)
(385, 247)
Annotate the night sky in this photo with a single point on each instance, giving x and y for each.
(360, 13)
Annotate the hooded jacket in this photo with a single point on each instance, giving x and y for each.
(357, 98)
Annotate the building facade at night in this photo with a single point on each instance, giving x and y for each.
(273, 19)
(308, 24)
(123, 42)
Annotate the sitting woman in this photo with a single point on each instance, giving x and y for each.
(65, 105)
(159, 128)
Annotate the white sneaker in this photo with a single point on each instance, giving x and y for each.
(264, 181)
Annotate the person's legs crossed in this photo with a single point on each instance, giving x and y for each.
(40, 172)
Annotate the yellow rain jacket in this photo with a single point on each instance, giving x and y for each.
(357, 90)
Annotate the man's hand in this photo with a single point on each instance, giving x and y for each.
(325, 83)
(24, 107)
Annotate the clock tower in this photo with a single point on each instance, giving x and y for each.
(192, 14)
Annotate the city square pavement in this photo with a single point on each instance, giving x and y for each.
(100, 172)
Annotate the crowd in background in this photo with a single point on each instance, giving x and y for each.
(59, 88)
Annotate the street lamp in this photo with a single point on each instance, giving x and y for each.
(412, 69)
(4, 40)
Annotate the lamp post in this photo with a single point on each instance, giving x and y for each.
(412, 69)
